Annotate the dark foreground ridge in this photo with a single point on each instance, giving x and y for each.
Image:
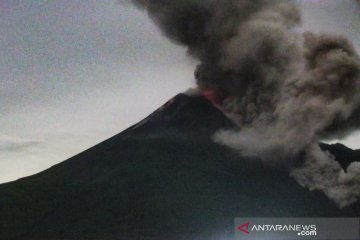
(344, 155)
(163, 178)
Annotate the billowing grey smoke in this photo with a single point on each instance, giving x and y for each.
(235, 41)
(284, 90)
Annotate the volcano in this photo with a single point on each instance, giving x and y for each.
(163, 178)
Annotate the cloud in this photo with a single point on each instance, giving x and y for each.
(285, 90)
(17, 145)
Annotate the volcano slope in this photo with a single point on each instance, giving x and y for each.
(163, 178)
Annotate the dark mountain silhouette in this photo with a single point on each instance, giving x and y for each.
(344, 155)
(163, 178)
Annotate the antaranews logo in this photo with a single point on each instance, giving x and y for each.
(244, 228)
(297, 228)
(301, 230)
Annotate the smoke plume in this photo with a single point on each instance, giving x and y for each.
(285, 90)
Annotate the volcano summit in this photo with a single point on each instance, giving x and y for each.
(163, 178)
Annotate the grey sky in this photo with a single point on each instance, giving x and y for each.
(75, 72)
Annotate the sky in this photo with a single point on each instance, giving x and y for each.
(76, 72)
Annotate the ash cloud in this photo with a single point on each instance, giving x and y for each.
(321, 172)
(285, 90)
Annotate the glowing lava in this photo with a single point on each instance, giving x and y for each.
(212, 97)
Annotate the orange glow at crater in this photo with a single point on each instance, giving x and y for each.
(211, 96)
